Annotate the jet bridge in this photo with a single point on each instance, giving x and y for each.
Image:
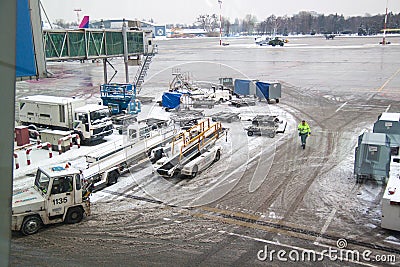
(83, 44)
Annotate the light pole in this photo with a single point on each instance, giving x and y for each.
(77, 10)
(220, 22)
(384, 25)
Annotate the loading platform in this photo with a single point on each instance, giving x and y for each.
(225, 116)
(190, 144)
(187, 118)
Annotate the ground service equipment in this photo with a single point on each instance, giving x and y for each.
(120, 97)
(276, 41)
(266, 125)
(91, 122)
(57, 196)
(372, 157)
(171, 100)
(240, 102)
(389, 124)
(244, 87)
(268, 91)
(61, 193)
(227, 82)
(192, 150)
(391, 199)
(225, 116)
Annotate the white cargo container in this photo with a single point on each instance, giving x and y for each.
(90, 122)
(391, 199)
(49, 110)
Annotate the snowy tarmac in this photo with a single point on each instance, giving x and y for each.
(263, 191)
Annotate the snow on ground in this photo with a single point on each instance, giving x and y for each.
(24, 175)
(217, 180)
(208, 186)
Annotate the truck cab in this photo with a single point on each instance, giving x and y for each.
(56, 196)
(92, 122)
(227, 82)
(220, 94)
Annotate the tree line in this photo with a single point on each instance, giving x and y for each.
(305, 22)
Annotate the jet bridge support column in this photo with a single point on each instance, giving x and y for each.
(105, 70)
(125, 40)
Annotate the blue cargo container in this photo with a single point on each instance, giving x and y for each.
(268, 91)
(171, 100)
(244, 87)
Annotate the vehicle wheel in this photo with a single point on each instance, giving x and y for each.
(229, 120)
(281, 44)
(271, 135)
(31, 225)
(209, 106)
(250, 133)
(33, 128)
(217, 156)
(277, 100)
(74, 215)
(194, 171)
(273, 44)
(112, 177)
(238, 105)
(359, 179)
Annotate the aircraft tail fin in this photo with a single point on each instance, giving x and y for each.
(84, 23)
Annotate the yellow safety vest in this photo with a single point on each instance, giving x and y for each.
(304, 129)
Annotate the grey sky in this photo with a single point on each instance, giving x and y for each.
(186, 11)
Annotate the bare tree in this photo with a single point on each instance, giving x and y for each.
(249, 23)
(226, 25)
(208, 22)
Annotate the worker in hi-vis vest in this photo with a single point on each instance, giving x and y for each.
(304, 132)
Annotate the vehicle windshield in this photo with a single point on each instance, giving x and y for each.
(82, 117)
(42, 181)
(98, 115)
